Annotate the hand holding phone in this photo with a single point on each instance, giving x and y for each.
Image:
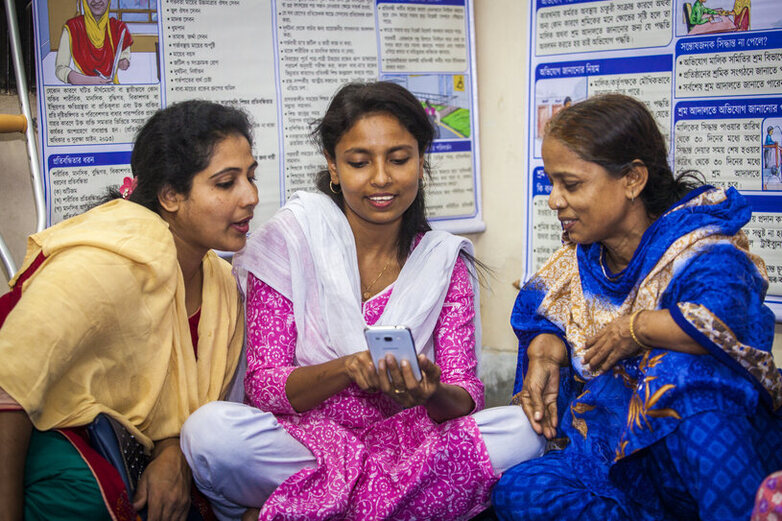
(394, 340)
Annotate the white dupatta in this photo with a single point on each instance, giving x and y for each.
(307, 253)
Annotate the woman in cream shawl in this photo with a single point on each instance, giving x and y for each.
(125, 310)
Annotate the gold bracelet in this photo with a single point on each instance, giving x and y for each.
(632, 331)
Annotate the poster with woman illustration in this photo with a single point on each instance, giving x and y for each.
(105, 66)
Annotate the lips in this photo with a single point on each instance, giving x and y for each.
(381, 201)
(567, 223)
(242, 226)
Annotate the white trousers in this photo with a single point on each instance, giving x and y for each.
(239, 454)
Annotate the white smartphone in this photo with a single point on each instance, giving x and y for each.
(396, 340)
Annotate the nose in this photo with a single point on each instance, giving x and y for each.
(249, 195)
(380, 176)
(555, 199)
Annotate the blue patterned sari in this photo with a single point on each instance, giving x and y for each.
(664, 435)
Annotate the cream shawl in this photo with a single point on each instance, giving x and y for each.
(102, 327)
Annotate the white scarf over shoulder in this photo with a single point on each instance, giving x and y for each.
(307, 253)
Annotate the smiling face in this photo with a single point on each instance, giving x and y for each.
(98, 7)
(216, 213)
(377, 166)
(591, 204)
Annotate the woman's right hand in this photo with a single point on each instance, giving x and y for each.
(538, 397)
(77, 78)
(310, 385)
(361, 370)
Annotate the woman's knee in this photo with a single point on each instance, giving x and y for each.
(203, 426)
(210, 435)
(508, 436)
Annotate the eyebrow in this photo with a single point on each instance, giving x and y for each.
(560, 174)
(233, 169)
(359, 150)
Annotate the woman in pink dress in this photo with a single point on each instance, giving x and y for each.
(327, 434)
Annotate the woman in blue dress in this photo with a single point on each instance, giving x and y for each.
(644, 341)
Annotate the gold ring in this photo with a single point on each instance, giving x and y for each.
(399, 391)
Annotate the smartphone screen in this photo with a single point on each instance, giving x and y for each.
(396, 340)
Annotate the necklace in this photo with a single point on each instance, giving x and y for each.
(603, 267)
(368, 290)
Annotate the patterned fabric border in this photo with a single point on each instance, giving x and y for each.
(760, 364)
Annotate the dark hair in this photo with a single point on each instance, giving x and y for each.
(616, 132)
(358, 100)
(177, 142)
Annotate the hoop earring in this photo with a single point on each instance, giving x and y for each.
(331, 187)
(422, 181)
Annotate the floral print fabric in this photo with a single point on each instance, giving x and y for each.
(375, 460)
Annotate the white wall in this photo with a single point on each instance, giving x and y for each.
(502, 55)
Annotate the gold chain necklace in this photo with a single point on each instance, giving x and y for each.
(367, 290)
(603, 267)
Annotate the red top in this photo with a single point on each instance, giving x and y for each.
(9, 300)
(88, 57)
(193, 321)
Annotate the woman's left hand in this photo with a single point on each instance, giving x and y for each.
(164, 487)
(402, 386)
(609, 345)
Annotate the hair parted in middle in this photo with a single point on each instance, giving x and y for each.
(617, 131)
(177, 142)
(355, 101)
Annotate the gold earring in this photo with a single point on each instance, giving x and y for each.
(331, 187)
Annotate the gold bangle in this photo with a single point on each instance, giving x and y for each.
(632, 331)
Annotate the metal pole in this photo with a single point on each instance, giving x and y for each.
(21, 87)
(8, 261)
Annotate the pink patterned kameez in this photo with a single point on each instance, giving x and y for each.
(374, 459)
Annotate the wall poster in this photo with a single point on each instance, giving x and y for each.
(100, 77)
(709, 70)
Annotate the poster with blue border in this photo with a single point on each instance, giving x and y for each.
(279, 60)
(710, 74)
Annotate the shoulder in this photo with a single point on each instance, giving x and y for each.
(461, 276)
(221, 267)
(117, 25)
(563, 260)
(76, 21)
(121, 230)
(272, 239)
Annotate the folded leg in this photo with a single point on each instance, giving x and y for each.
(239, 455)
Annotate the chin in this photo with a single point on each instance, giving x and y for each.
(230, 245)
(234, 246)
(579, 239)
